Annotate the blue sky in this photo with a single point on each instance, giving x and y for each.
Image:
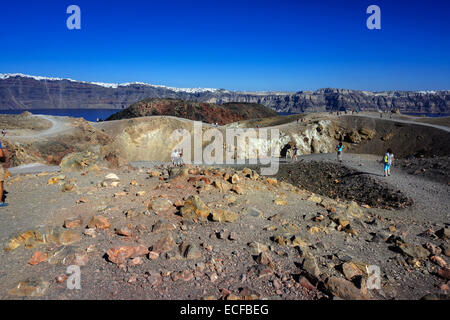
(237, 45)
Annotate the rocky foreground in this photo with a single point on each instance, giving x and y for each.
(212, 233)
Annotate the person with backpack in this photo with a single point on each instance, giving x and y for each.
(2, 176)
(339, 150)
(388, 159)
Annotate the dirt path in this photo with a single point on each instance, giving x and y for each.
(59, 125)
(447, 129)
(432, 199)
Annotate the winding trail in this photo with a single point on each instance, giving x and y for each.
(431, 198)
(373, 116)
(59, 125)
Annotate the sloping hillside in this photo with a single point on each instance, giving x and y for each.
(206, 112)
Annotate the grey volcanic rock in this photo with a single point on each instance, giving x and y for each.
(25, 92)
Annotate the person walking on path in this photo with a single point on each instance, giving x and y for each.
(2, 176)
(294, 154)
(388, 159)
(339, 149)
(174, 157)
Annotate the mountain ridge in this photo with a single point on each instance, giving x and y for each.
(19, 91)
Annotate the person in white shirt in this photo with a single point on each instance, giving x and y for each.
(174, 157)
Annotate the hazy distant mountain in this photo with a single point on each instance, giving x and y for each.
(19, 91)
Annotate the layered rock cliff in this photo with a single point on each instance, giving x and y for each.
(26, 92)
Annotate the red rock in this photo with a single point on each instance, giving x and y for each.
(99, 222)
(153, 255)
(306, 284)
(439, 261)
(61, 279)
(124, 232)
(72, 223)
(140, 251)
(119, 255)
(444, 273)
(134, 262)
(37, 258)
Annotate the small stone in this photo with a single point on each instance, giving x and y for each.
(124, 231)
(32, 287)
(264, 259)
(195, 208)
(165, 244)
(112, 176)
(90, 232)
(236, 188)
(310, 266)
(315, 198)
(99, 222)
(257, 248)
(344, 289)
(220, 215)
(67, 237)
(350, 270)
(163, 226)
(213, 277)
(37, 258)
(135, 261)
(306, 284)
(439, 261)
(119, 255)
(444, 273)
(253, 212)
(153, 255)
(72, 223)
(222, 186)
(444, 233)
(272, 181)
(61, 279)
(161, 205)
(280, 202)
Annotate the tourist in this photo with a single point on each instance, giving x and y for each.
(174, 157)
(4, 132)
(2, 176)
(339, 149)
(388, 160)
(294, 154)
(180, 158)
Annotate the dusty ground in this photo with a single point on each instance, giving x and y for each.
(298, 237)
(307, 238)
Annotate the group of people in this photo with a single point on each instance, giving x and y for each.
(388, 158)
(177, 157)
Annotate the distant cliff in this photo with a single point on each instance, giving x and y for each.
(27, 92)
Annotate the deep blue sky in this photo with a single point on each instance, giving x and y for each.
(236, 45)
